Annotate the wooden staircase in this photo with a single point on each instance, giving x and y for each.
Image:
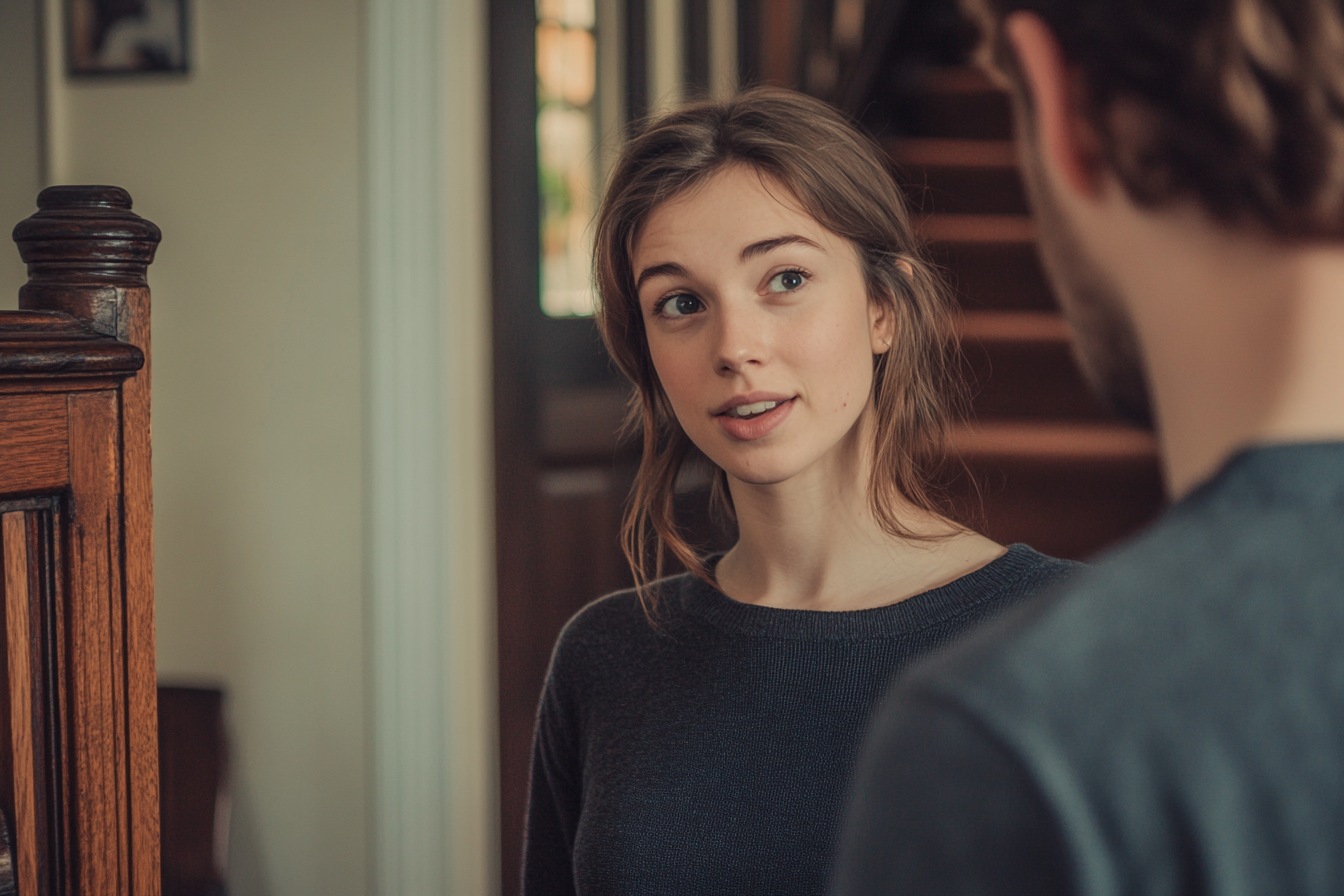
(1047, 464)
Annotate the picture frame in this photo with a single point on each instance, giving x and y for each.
(126, 37)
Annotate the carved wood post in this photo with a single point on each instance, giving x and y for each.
(78, 720)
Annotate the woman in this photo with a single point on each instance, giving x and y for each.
(761, 287)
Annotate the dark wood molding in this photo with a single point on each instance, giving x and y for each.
(516, 317)
(636, 59)
(695, 46)
(45, 344)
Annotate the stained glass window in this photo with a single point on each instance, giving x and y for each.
(566, 158)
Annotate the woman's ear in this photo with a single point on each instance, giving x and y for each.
(882, 314)
(882, 324)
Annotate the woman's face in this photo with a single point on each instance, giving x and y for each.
(759, 326)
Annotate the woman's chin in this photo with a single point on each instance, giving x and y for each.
(761, 474)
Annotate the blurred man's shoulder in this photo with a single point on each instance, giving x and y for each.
(1248, 569)
(1190, 676)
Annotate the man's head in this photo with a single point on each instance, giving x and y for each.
(1234, 106)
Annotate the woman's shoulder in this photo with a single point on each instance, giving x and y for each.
(1019, 573)
(623, 618)
(614, 633)
(1023, 571)
(1044, 567)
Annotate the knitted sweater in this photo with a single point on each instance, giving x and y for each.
(711, 754)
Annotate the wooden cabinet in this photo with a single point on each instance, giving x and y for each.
(78, 748)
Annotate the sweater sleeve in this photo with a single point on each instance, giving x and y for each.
(940, 805)
(554, 793)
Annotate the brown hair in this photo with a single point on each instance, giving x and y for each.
(841, 178)
(1239, 103)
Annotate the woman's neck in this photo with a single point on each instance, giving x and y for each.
(812, 543)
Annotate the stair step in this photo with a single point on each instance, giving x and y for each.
(1031, 327)
(1008, 229)
(949, 176)
(1092, 442)
(961, 101)
(1020, 365)
(1067, 490)
(991, 259)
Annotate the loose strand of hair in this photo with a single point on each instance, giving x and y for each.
(649, 531)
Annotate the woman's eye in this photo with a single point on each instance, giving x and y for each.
(680, 306)
(786, 281)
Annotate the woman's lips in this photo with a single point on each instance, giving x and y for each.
(751, 428)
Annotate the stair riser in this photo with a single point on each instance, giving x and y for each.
(1066, 507)
(979, 115)
(955, 190)
(1031, 380)
(995, 276)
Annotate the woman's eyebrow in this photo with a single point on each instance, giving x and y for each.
(666, 269)
(764, 246)
(761, 247)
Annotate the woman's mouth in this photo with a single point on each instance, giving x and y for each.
(748, 422)
(747, 411)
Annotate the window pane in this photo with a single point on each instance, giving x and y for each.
(566, 129)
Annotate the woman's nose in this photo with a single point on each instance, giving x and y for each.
(741, 340)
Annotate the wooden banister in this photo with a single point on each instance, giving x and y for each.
(78, 746)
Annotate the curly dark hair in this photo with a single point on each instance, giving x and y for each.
(1238, 104)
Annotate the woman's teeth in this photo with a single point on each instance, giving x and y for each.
(751, 410)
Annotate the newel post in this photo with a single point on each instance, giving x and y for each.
(87, 255)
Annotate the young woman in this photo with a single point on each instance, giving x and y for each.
(761, 287)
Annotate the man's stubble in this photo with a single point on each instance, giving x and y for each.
(1105, 342)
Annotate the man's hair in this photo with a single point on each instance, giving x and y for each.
(1237, 104)
(841, 178)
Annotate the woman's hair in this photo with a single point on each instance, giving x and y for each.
(841, 178)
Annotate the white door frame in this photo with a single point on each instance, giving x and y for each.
(430, 522)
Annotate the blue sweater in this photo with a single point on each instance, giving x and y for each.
(711, 755)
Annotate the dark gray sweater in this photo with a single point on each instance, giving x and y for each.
(712, 755)
(1170, 723)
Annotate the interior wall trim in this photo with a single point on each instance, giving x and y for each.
(666, 55)
(723, 48)
(430, 515)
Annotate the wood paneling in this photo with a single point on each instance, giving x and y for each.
(31, 771)
(97, 679)
(17, 719)
(34, 455)
(516, 322)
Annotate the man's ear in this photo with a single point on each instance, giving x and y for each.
(1064, 136)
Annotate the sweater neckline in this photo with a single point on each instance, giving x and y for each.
(905, 617)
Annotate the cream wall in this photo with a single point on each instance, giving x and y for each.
(20, 129)
(252, 167)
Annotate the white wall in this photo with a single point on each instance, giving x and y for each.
(252, 167)
(20, 130)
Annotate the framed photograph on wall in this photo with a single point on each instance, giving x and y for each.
(123, 37)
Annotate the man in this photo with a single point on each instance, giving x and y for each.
(1173, 722)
